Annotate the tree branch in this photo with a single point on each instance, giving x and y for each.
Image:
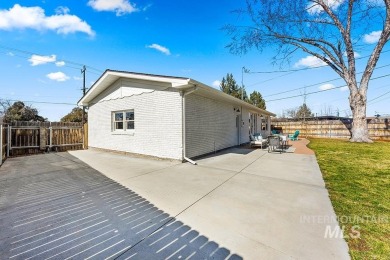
(383, 39)
(337, 70)
(313, 42)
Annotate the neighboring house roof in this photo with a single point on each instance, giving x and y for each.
(179, 83)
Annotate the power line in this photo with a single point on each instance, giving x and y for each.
(380, 100)
(284, 75)
(337, 99)
(319, 91)
(39, 96)
(32, 53)
(296, 70)
(302, 69)
(43, 102)
(316, 84)
(378, 96)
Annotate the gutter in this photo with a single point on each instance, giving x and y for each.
(183, 104)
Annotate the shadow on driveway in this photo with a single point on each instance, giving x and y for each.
(54, 206)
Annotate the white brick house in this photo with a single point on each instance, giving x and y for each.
(167, 117)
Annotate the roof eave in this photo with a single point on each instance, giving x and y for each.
(237, 101)
(176, 82)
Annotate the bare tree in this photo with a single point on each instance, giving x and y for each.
(4, 105)
(330, 30)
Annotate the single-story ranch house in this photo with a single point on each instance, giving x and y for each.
(167, 117)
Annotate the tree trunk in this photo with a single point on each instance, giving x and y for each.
(359, 129)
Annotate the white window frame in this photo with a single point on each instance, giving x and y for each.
(124, 121)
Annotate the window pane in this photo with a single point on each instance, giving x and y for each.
(130, 125)
(118, 125)
(129, 115)
(119, 116)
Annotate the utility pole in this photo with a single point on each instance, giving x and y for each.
(304, 105)
(83, 72)
(243, 70)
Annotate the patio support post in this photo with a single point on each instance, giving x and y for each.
(183, 104)
(269, 124)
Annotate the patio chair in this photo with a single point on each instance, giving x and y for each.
(294, 137)
(275, 144)
(256, 140)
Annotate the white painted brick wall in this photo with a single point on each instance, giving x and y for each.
(158, 124)
(210, 125)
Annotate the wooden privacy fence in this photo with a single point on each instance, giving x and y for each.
(22, 138)
(378, 129)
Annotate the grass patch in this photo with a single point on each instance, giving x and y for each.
(357, 176)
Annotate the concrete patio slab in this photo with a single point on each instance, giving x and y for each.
(71, 211)
(291, 167)
(121, 167)
(250, 201)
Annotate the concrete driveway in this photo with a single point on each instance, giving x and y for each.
(256, 205)
(54, 206)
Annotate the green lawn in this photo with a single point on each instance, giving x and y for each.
(357, 177)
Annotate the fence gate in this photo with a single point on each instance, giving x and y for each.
(23, 139)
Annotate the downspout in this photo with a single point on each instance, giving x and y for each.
(183, 109)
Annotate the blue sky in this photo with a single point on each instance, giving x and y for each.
(43, 45)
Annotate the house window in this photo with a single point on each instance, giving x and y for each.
(123, 120)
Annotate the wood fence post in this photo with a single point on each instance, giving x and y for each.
(51, 137)
(8, 140)
(42, 138)
(85, 136)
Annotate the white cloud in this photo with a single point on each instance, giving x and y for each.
(60, 63)
(57, 76)
(216, 83)
(160, 48)
(39, 60)
(10, 54)
(326, 86)
(77, 78)
(310, 61)
(372, 37)
(314, 8)
(345, 88)
(20, 17)
(120, 7)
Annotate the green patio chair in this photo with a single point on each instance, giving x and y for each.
(294, 137)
